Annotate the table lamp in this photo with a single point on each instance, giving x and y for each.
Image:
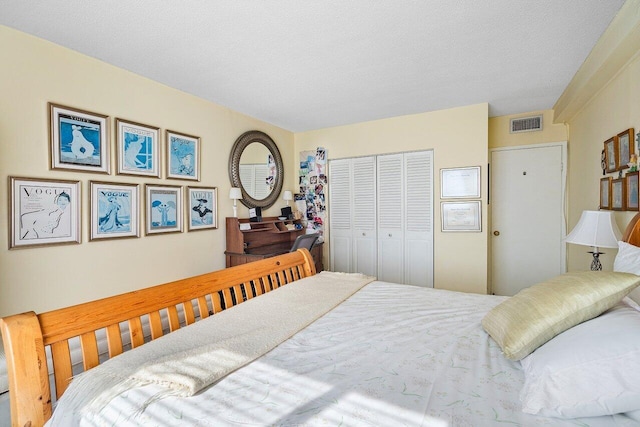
(236, 194)
(287, 196)
(597, 229)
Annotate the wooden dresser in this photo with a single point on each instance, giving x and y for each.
(253, 241)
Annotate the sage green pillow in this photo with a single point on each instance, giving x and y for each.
(535, 315)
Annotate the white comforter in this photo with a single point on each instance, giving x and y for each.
(390, 355)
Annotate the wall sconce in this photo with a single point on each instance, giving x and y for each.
(287, 196)
(236, 194)
(597, 229)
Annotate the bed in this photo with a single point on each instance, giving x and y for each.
(377, 353)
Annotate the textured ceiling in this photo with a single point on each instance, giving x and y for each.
(304, 64)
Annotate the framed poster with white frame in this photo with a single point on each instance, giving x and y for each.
(115, 210)
(460, 183)
(202, 208)
(461, 216)
(164, 209)
(44, 212)
(138, 148)
(79, 140)
(183, 156)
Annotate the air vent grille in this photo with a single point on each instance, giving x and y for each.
(526, 124)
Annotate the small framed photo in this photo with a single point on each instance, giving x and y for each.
(115, 210)
(44, 212)
(458, 183)
(164, 209)
(625, 148)
(631, 181)
(605, 192)
(183, 156)
(202, 208)
(79, 140)
(138, 149)
(611, 154)
(618, 194)
(461, 216)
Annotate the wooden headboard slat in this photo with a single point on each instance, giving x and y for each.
(114, 340)
(61, 365)
(89, 347)
(26, 335)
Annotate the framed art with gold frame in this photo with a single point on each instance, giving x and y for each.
(611, 154)
(625, 148)
(631, 182)
(605, 192)
(618, 194)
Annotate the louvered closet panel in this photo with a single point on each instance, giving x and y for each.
(340, 215)
(418, 208)
(381, 216)
(262, 189)
(364, 215)
(390, 218)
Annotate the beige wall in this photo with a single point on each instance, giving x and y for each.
(459, 138)
(499, 136)
(614, 109)
(36, 72)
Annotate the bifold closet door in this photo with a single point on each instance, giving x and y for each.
(405, 218)
(340, 215)
(352, 215)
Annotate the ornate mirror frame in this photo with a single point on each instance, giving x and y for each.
(250, 137)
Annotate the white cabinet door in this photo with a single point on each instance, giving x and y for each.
(418, 213)
(364, 215)
(340, 215)
(390, 218)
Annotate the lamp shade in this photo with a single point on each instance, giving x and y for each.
(235, 193)
(288, 195)
(595, 228)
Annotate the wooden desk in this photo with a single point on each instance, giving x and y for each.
(264, 239)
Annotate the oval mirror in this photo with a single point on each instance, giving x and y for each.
(255, 165)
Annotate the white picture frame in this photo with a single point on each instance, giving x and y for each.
(461, 216)
(460, 183)
(44, 212)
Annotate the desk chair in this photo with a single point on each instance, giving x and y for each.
(304, 241)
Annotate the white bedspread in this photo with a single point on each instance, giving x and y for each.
(390, 355)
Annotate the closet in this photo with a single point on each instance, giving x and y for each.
(381, 216)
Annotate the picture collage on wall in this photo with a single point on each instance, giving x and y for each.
(619, 157)
(48, 211)
(310, 201)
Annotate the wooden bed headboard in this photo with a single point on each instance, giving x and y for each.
(26, 335)
(632, 232)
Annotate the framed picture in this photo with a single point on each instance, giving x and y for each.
(605, 193)
(44, 212)
(115, 210)
(460, 182)
(164, 209)
(625, 148)
(79, 140)
(618, 194)
(183, 156)
(461, 216)
(611, 154)
(138, 149)
(202, 208)
(631, 183)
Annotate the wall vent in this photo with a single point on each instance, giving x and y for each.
(526, 124)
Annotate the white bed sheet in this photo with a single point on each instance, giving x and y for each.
(390, 355)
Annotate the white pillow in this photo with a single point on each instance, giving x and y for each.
(628, 261)
(589, 370)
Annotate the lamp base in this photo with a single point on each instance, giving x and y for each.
(595, 264)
